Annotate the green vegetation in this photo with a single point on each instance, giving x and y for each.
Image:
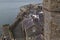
(5, 25)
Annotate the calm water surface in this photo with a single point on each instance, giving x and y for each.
(10, 8)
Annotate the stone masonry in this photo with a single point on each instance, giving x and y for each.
(51, 10)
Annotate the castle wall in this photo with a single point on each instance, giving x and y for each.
(51, 10)
(51, 5)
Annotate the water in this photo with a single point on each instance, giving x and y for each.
(10, 8)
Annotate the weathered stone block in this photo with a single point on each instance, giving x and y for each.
(52, 25)
(52, 5)
(55, 26)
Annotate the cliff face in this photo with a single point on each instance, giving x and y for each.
(28, 16)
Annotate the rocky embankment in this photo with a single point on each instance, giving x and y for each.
(28, 15)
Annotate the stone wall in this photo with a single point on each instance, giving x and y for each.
(51, 10)
(52, 5)
(55, 26)
(52, 25)
(47, 25)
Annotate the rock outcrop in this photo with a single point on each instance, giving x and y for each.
(30, 17)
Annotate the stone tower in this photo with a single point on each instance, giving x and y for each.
(51, 10)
